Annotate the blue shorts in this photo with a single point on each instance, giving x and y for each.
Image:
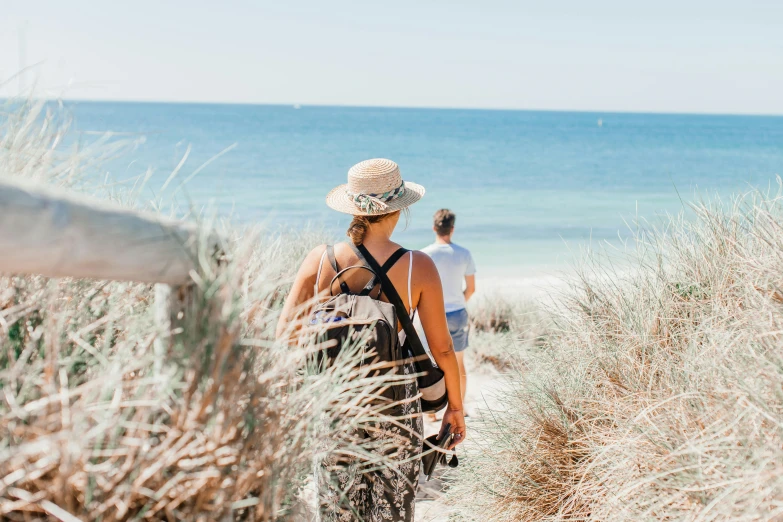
(458, 328)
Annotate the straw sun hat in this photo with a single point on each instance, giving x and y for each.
(374, 187)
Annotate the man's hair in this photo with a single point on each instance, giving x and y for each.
(443, 222)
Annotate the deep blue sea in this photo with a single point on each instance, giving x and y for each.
(529, 188)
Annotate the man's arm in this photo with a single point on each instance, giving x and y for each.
(470, 278)
(470, 286)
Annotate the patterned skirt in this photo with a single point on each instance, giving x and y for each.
(388, 493)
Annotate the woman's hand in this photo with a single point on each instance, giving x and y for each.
(457, 420)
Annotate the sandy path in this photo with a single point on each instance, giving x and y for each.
(481, 383)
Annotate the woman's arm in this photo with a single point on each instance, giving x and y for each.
(302, 291)
(432, 313)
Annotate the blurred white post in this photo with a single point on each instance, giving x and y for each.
(50, 232)
(54, 233)
(162, 325)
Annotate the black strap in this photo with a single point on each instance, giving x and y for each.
(375, 281)
(370, 286)
(333, 261)
(366, 291)
(394, 298)
(392, 260)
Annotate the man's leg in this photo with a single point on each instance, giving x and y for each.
(459, 326)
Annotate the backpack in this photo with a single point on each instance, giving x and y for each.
(348, 319)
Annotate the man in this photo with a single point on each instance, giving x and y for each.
(457, 274)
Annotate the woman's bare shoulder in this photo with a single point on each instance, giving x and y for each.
(424, 269)
(312, 260)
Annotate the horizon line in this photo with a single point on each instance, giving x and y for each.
(405, 107)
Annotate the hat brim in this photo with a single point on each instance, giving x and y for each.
(339, 200)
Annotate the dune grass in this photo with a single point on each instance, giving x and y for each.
(109, 413)
(647, 394)
(657, 395)
(503, 330)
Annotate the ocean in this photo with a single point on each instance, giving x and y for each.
(530, 189)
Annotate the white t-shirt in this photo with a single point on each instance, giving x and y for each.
(454, 263)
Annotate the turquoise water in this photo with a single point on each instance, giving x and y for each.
(529, 188)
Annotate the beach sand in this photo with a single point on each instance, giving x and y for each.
(521, 287)
(484, 380)
(483, 383)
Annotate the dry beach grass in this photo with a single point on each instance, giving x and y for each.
(657, 394)
(109, 413)
(645, 394)
(502, 328)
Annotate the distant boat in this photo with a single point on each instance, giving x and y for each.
(297, 106)
(600, 122)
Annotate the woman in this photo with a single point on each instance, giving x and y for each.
(376, 195)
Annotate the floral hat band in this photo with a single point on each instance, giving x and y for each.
(376, 203)
(374, 187)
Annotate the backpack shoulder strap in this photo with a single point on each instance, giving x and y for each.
(393, 259)
(333, 261)
(375, 281)
(394, 298)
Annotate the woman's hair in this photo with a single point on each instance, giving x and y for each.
(443, 221)
(360, 224)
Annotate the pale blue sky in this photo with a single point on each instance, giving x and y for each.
(664, 56)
